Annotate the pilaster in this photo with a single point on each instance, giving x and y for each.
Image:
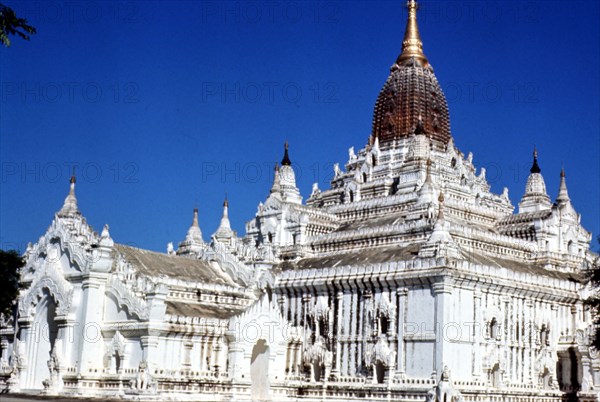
(442, 291)
(478, 328)
(91, 345)
(339, 306)
(149, 350)
(401, 296)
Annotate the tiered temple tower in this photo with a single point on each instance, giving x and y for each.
(406, 279)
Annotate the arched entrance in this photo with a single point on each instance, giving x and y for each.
(259, 371)
(41, 341)
(495, 376)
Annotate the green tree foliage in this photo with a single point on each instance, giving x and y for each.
(594, 302)
(10, 263)
(10, 24)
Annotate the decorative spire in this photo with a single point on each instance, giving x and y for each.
(275, 188)
(412, 45)
(441, 210)
(69, 207)
(427, 193)
(193, 239)
(225, 218)
(428, 172)
(563, 194)
(286, 158)
(535, 168)
(535, 197)
(441, 243)
(194, 233)
(224, 229)
(285, 180)
(195, 220)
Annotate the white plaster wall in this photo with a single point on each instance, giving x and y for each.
(133, 348)
(421, 308)
(419, 359)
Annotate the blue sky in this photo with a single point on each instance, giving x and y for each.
(164, 106)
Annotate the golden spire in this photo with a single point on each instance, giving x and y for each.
(412, 45)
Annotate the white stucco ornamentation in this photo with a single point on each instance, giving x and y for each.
(405, 266)
(126, 298)
(53, 281)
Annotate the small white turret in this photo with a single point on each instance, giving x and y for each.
(563, 195)
(69, 208)
(440, 243)
(427, 192)
(224, 232)
(535, 197)
(287, 180)
(193, 240)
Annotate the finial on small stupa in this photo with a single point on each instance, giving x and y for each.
(563, 193)
(224, 229)
(195, 219)
(69, 207)
(194, 234)
(276, 187)
(72, 181)
(428, 171)
(286, 157)
(441, 210)
(535, 168)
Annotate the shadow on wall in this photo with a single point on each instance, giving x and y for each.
(259, 371)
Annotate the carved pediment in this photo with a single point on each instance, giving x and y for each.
(126, 298)
(59, 289)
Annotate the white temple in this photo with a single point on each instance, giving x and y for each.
(406, 280)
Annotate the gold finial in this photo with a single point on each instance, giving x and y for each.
(226, 202)
(441, 197)
(412, 45)
(562, 172)
(73, 179)
(286, 145)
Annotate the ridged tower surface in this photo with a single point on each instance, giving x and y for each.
(411, 100)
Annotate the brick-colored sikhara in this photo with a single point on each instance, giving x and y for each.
(411, 100)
